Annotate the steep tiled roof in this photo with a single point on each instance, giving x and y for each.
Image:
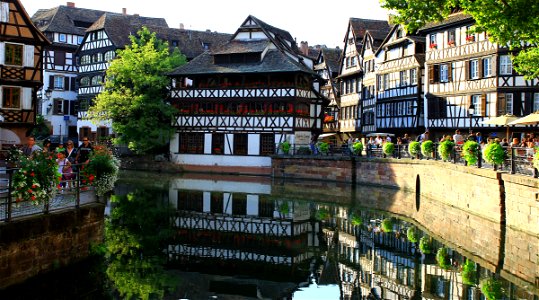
(64, 19)
(377, 28)
(451, 19)
(274, 61)
(242, 47)
(332, 58)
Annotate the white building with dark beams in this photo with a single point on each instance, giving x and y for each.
(65, 26)
(399, 93)
(327, 67)
(240, 100)
(465, 70)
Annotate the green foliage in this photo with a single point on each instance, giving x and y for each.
(443, 259)
(284, 208)
(322, 214)
(37, 179)
(135, 91)
(536, 158)
(357, 148)
(445, 149)
(41, 130)
(303, 150)
(494, 153)
(101, 170)
(356, 219)
(388, 148)
(414, 148)
(470, 151)
(387, 224)
(412, 233)
(323, 147)
(514, 23)
(492, 288)
(469, 272)
(427, 148)
(285, 146)
(425, 245)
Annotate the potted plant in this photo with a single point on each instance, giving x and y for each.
(357, 148)
(414, 149)
(412, 234)
(424, 245)
(285, 147)
(388, 148)
(535, 160)
(427, 148)
(469, 272)
(445, 149)
(387, 224)
(322, 214)
(356, 219)
(470, 151)
(323, 147)
(443, 259)
(492, 288)
(494, 154)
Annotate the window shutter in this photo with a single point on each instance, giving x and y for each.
(4, 12)
(480, 68)
(436, 73)
(29, 56)
(65, 107)
(2, 53)
(26, 98)
(72, 106)
(494, 61)
(467, 70)
(72, 86)
(483, 104)
(431, 74)
(449, 72)
(501, 105)
(1, 97)
(66, 83)
(51, 82)
(527, 102)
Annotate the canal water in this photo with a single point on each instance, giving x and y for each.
(230, 237)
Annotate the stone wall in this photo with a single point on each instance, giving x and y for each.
(495, 196)
(47, 242)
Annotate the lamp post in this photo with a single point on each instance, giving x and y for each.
(471, 111)
(42, 96)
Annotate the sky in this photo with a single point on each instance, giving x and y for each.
(317, 22)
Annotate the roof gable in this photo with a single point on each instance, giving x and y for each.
(19, 25)
(64, 19)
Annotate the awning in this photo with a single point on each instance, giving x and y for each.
(325, 135)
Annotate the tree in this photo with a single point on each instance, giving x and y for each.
(135, 92)
(508, 22)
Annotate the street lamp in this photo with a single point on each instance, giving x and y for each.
(471, 111)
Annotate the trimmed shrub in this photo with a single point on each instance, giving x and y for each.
(412, 234)
(427, 148)
(470, 151)
(357, 148)
(388, 148)
(445, 148)
(443, 259)
(494, 153)
(492, 288)
(424, 245)
(414, 148)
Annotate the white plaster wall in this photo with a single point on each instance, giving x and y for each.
(253, 147)
(221, 160)
(221, 186)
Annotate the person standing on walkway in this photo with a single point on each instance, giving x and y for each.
(83, 152)
(30, 147)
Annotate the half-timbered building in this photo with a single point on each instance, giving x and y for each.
(21, 71)
(237, 102)
(65, 27)
(351, 72)
(399, 96)
(327, 67)
(465, 70)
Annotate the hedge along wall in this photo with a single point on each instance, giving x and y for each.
(481, 192)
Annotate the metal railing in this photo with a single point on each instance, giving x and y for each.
(70, 195)
(518, 160)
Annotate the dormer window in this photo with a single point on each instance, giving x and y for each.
(62, 38)
(206, 46)
(237, 58)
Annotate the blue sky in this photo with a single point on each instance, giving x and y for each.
(312, 21)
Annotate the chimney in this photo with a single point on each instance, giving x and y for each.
(124, 11)
(70, 4)
(304, 48)
(181, 26)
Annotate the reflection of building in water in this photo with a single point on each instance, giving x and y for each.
(239, 227)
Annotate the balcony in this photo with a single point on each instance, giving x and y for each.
(247, 92)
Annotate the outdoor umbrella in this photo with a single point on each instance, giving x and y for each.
(530, 119)
(504, 120)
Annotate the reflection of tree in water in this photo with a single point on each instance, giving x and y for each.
(135, 235)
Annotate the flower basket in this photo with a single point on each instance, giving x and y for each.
(101, 170)
(356, 219)
(492, 289)
(424, 245)
(445, 149)
(387, 224)
(427, 148)
(357, 148)
(414, 149)
(470, 38)
(388, 148)
(494, 153)
(37, 179)
(433, 46)
(469, 272)
(285, 147)
(443, 259)
(412, 234)
(535, 160)
(323, 147)
(470, 151)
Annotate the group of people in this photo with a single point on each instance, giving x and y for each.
(68, 157)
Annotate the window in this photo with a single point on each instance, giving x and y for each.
(487, 66)
(536, 102)
(432, 40)
(79, 40)
(476, 101)
(13, 54)
(353, 61)
(444, 74)
(470, 36)
(474, 69)
(386, 81)
(85, 81)
(413, 76)
(267, 144)
(59, 58)
(62, 38)
(240, 143)
(192, 143)
(4, 12)
(403, 78)
(85, 59)
(11, 97)
(506, 66)
(97, 80)
(97, 57)
(509, 103)
(57, 106)
(380, 87)
(437, 108)
(451, 38)
(109, 55)
(218, 143)
(59, 82)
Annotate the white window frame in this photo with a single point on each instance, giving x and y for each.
(444, 73)
(62, 37)
(509, 103)
(506, 65)
(386, 81)
(109, 55)
(474, 69)
(403, 78)
(487, 66)
(59, 82)
(80, 39)
(476, 101)
(432, 39)
(413, 76)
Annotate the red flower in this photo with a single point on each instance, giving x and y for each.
(33, 198)
(91, 177)
(30, 191)
(34, 186)
(32, 174)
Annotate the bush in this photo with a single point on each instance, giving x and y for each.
(443, 259)
(494, 153)
(388, 148)
(37, 179)
(387, 224)
(285, 146)
(357, 148)
(414, 148)
(101, 170)
(356, 219)
(413, 234)
(445, 149)
(492, 289)
(304, 151)
(424, 245)
(427, 148)
(469, 272)
(470, 151)
(323, 147)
